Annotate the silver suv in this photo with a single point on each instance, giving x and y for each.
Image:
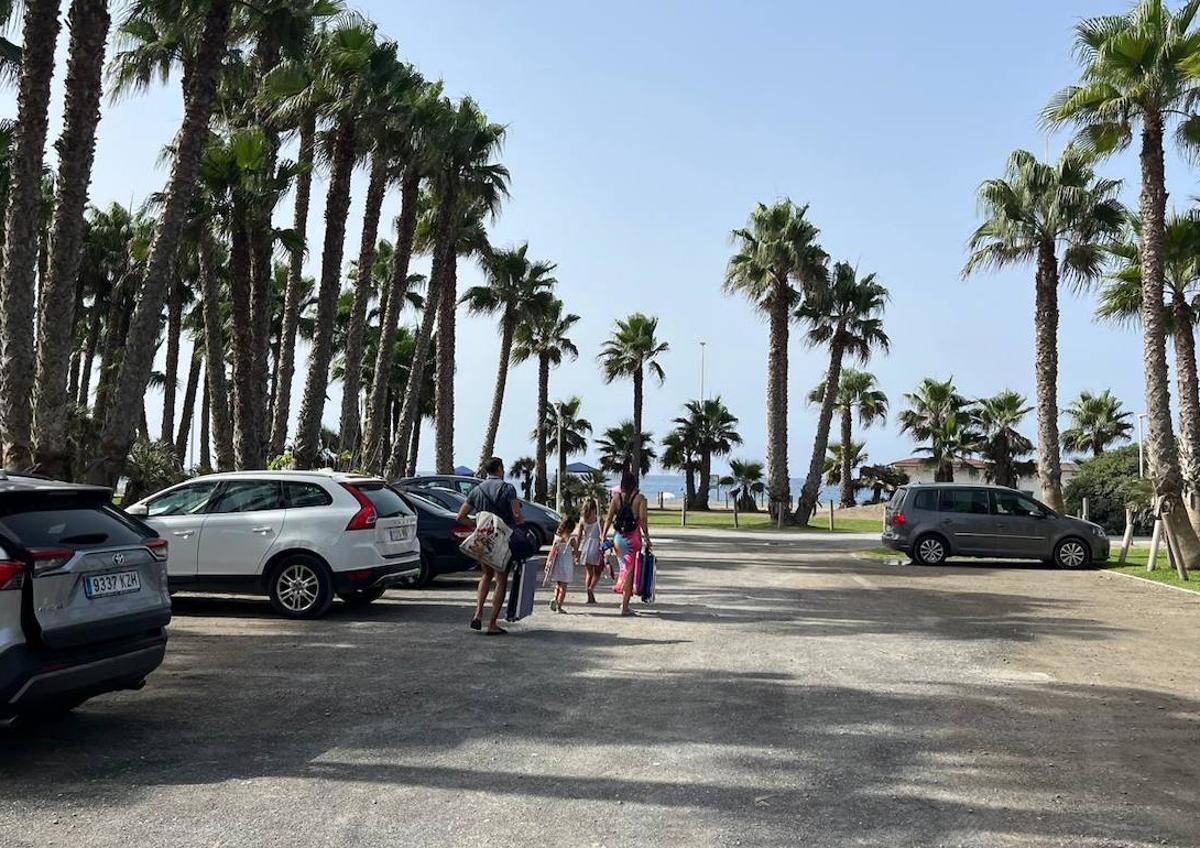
(83, 597)
(932, 522)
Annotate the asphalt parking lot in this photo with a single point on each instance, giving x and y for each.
(779, 693)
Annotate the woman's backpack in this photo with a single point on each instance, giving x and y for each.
(626, 521)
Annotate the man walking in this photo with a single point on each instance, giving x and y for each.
(499, 497)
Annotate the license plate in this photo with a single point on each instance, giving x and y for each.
(398, 534)
(107, 585)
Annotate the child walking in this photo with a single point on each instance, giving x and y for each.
(591, 553)
(560, 563)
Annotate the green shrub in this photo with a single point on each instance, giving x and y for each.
(1110, 483)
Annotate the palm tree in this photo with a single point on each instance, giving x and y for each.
(1121, 300)
(463, 173)
(204, 69)
(845, 314)
(747, 482)
(1031, 212)
(416, 113)
(562, 418)
(350, 66)
(1097, 423)
(88, 22)
(631, 350)
(1139, 70)
(679, 454)
(776, 251)
(386, 142)
(523, 469)
(996, 419)
(40, 32)
(937, 413)
(708, 428)
(837, 460)
(857, 390)
(515, 287)
(621, 446)
(543, 336)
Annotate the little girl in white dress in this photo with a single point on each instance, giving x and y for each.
(591, 552)
(560, 563)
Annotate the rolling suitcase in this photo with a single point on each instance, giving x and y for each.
(646, 575)
(522, 584)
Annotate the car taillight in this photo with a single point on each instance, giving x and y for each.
(48, 559)
(12, 575)
(897, 519)
(157, 548)
(365, 518)
(461, 531)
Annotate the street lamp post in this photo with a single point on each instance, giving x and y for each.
(558, 497)
(1142, 416)
(702, 347)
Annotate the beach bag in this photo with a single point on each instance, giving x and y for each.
(626, 521)
(522, 544)
(488, 544)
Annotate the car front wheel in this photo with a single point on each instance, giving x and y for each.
(930, 550)
(1072, 553)
(300, 587)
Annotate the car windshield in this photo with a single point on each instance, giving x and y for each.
(81, 527)
(387, 503)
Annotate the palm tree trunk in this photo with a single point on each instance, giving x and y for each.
(411, 409)
(337, 208)
(116, 435)
(507, 327)
(205, 461)
(291, 298)
(214, 347)
(174, 329)
(1164, 459)
(374, 450)
(1045, 334)
(540, 484)
(59, 297)
(73, 376)
(364, 288)
(778, 484)
(246, 412)
(639, 377)
(847, 460)
(689, 484)
(414, 448)
(1189, 403)
(116, 327)
(40, 30)
(444, 386)
(90, 345)
(189, 405)
(816, 465)
(705, 481)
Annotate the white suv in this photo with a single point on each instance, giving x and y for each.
(299, 536)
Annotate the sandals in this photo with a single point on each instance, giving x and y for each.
(499, 631)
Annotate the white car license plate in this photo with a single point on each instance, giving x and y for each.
(398, 534)
(107, 585)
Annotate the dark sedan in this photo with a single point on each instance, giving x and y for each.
(450, 491)
(440, 534)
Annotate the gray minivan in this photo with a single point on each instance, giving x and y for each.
(931, 522)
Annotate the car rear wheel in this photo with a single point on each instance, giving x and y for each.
(1072, 553)
(362, 597)
(929, 550)
(300, 587)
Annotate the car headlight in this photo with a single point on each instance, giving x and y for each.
(554, 515)
(1097, 530)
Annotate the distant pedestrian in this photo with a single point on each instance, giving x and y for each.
(627, 517)
(497, 496)
(591, 552)
(560, 563)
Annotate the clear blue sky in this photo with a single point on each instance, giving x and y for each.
(641, 133)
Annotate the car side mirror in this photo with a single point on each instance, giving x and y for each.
(137, 510)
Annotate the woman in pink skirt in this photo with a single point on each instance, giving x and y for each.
(627, 516)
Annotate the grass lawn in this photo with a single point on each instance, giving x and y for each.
(1135, 565)
(723, 520)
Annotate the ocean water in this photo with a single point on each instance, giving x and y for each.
(672, 486)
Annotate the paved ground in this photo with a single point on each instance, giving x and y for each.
(781, 693)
